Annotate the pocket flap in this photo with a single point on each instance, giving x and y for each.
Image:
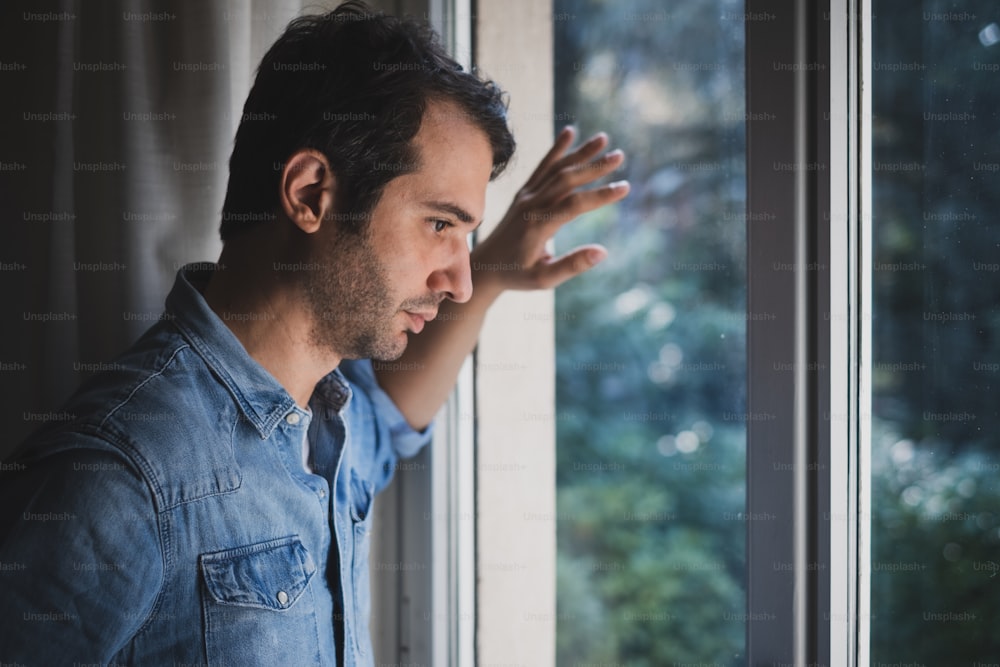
(268, 575)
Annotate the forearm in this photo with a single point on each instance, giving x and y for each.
(419, 382)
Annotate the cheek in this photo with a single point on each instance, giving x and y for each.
(404, 276)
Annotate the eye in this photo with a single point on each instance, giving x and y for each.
(441, 225)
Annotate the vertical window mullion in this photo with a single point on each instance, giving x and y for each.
(788, 339)
(848, 278)
(863, 430)
(515, 373)
(843, 333)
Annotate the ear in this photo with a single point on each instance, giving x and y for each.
(307, 189)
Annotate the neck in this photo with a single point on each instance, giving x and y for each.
(265, 311)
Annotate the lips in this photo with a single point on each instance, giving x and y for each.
(418, 320)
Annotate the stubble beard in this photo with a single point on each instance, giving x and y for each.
(351, 302)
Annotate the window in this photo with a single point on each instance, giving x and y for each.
(807, 359)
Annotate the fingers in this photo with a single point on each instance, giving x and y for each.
(556, 162)
(570, 265)
(563, 141)
(583, 153)
(579, 175)
(582, 202)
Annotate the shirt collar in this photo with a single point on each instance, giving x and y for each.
(260, 397)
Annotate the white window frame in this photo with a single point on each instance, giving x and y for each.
(515, 376)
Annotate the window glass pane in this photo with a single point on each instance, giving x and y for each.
(651, 344)
(936, 343)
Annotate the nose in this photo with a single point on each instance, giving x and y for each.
(454, 279)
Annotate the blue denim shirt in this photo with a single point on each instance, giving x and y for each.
(166, 518)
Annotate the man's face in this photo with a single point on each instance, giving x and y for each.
(374, 288)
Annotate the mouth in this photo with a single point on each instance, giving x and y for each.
(418, 320)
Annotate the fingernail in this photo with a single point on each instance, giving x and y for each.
(595, 256)
(619, 185)
(616, 153)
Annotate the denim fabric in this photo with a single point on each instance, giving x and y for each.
(165, 518)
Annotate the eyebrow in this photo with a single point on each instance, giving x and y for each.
(453, 209)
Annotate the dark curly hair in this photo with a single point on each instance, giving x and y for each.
(354, 85)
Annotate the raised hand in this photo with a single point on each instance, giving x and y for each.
(516, 255)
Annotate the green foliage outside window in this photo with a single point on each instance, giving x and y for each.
(651, 345)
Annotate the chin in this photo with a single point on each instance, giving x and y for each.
(390, 351)
(385, 358)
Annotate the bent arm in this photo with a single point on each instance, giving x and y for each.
(512, 257)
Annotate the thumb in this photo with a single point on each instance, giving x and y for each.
(572, 264)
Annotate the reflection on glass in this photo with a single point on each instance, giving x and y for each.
(936, 243)
(651, 345)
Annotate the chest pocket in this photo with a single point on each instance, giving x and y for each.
(257, 603)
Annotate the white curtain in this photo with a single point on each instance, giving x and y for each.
(117, 123)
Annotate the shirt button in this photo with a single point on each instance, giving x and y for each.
(282, 598)
(293, 418)
(322, 493)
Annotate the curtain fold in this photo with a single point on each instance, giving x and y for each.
(117, 124)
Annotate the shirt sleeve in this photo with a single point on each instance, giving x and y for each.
(80, 558)
(406, 441)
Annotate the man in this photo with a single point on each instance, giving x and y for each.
(208, 503)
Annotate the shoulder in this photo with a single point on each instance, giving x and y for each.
(160, 408)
